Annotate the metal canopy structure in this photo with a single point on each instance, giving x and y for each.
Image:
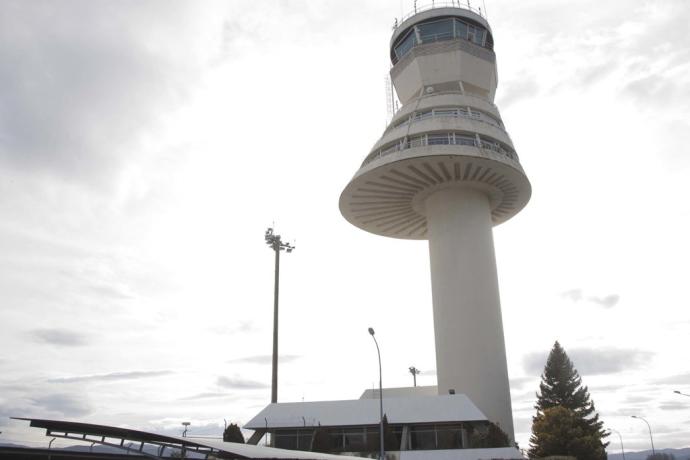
(160, 446)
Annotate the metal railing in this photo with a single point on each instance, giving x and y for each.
(447, 138)
(464, 4)
(460, 112)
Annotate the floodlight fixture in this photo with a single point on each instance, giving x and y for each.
(415, 372)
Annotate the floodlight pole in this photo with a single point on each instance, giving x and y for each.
(415, 372)
(277, 245)
(382, 451)
(650, 431)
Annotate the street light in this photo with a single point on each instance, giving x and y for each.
(621, 438)
(382, 452)
(415, 372)
(678, 392)
(275, 243)
(650, 432)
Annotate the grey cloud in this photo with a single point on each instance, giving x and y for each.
(518, 382)
(109, 291)
(654, 90)
(572, 294)
(608, 301)
(14, 410)
(207, 429)
(533, 363)
(237, 383)
(114, 376)
(207, 395)
(65, 404)
(81, 81)
(674, 406)
(516, 90)
(680, 379)
(523, 424)
(593, 361)
(264, 359)
(589, 76)
(60, 337)
(577, 295)
(240, 328)
(635, 399)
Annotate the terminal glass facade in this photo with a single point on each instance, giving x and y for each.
(425, 436)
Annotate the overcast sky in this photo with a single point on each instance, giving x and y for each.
(145, 146)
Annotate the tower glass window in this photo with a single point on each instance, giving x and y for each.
(435, 30)
(406, 44)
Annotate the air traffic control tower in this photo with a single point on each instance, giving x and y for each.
(445, 170)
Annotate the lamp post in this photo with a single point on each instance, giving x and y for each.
(415, 372)
(621, 438)
(650, 432)
(679, 393)
(275, 243)
(382, 452)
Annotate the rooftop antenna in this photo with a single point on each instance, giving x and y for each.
(186, 426)
(486, 15)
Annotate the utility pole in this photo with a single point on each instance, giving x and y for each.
(275, 243)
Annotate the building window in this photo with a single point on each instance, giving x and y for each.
(293, 439)
(422, 438)
(432, 437)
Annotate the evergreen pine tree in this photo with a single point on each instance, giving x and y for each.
(233, 434)
(561, 386)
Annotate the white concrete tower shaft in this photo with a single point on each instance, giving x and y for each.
(470, 350)
(446, 170)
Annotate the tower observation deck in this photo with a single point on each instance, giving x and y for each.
(445, 170)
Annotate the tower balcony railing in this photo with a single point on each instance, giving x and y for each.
(449, 112)
(465, 5)
(444, 138)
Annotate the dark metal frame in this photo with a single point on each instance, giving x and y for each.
(102, 434)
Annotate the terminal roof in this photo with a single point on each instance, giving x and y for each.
(409, 409)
